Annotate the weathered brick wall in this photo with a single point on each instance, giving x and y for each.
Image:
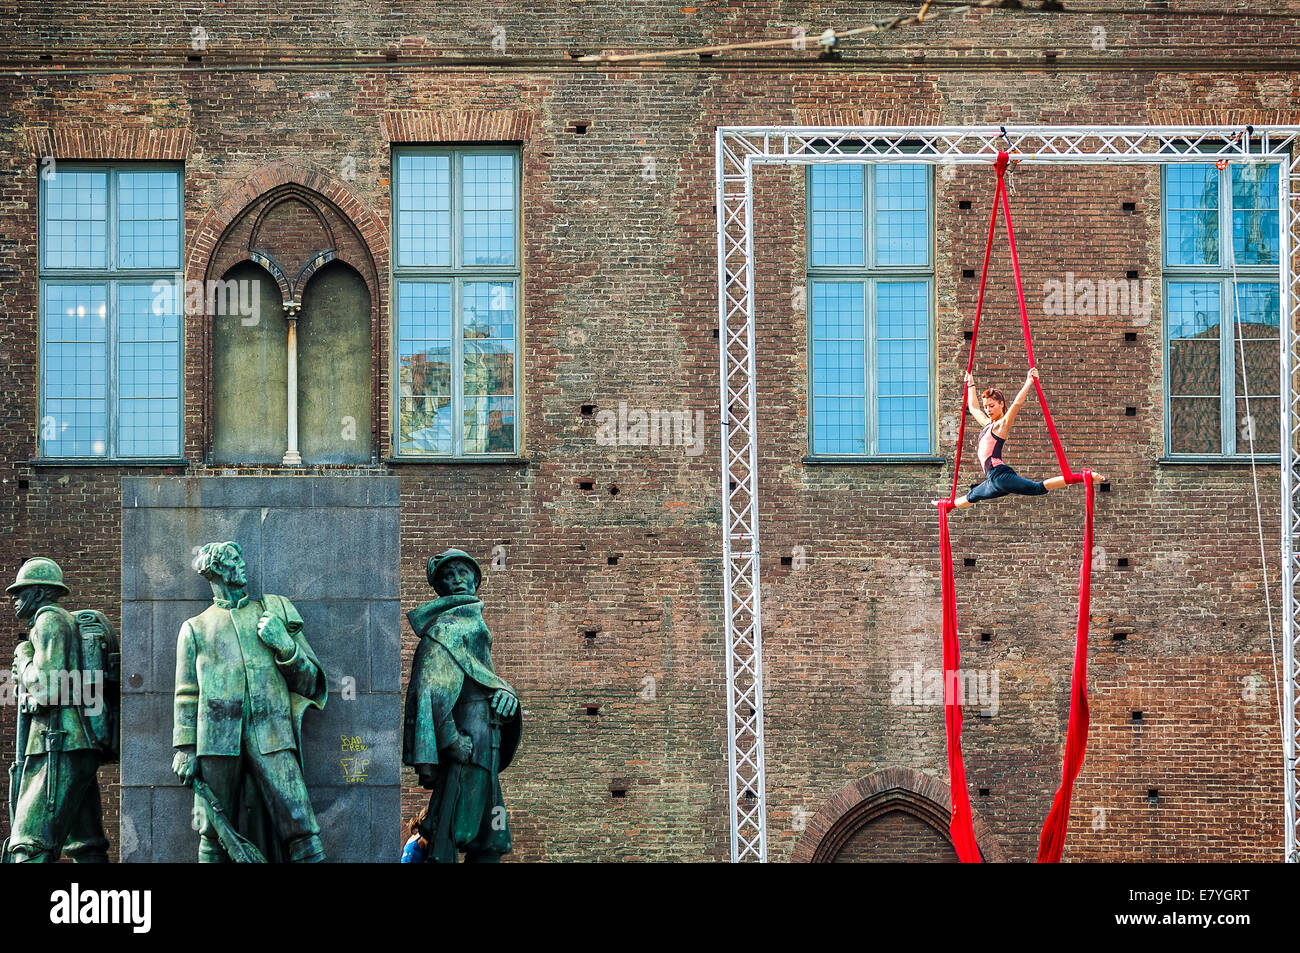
(624, 747)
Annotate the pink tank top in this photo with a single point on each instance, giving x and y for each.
(989, 449)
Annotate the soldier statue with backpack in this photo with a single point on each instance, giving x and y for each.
(67, 674)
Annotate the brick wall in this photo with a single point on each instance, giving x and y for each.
(623, 754)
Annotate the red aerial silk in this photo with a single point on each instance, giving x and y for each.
(1076, 737)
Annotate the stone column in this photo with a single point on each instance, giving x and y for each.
(291, 456)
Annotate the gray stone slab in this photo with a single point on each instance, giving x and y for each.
(329, 544)
(136, 638)
(356, 491)
(329, 736)
(147, 740)
(167, 620)
(175, 840)
(332, 554)
(386, 645)
(386, 838)
(343, 629)
(159, 546)
(259, 492)
(136, 830)
(343, 813)
(148, 492)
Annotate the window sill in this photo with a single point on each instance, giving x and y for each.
(107, 462)
(871, 461)
(1212, 461)
(442, 461)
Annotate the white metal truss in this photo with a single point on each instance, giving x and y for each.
(738, 150)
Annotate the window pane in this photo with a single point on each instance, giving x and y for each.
(1262, 423)
(839, 367)
(836, 207)
(902, 215)
(488, 318)
(148, 373)
(839, 425)
(489, 424)
(1194, 368)
(902, 367)
(76, 219)
(1194, 425)
(488, 194)
(488, 323)
(903, 425)
(1194, 310)
(426, 425)
(424, 366)
(1194, 318)
(76, 374)
(1258, 315)
(423, 210)
(839, 340)
(149, 219)
(1258, 319)
(1192, 214)
(1254, 214)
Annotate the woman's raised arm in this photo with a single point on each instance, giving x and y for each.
(972, 402)
(1004, 425)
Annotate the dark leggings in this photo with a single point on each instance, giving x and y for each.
(1001, 481)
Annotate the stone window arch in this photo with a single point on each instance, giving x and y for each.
(314, 253)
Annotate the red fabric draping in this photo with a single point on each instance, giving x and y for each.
(961, 828)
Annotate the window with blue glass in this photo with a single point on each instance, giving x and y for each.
(1222, 309)
(870, 288)
(456, 270)
(110, 306)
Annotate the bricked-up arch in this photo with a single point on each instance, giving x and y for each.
(874, 797)
(293, 218)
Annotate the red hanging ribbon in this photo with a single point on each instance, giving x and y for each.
(1052, 840)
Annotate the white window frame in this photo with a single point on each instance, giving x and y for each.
(111, 276)
(1222, 275)
(456, 274)
(870, 274)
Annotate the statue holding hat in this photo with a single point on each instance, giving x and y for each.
(65, 726)
(462, 720)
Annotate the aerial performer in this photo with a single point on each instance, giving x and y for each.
(997, 418)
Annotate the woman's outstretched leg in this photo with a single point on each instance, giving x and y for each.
(1056, 482)
(960, 503)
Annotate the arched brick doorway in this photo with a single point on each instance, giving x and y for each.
(896, 814)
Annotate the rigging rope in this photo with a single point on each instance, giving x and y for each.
(1259, 518)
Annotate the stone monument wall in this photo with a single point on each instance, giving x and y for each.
(328, 544)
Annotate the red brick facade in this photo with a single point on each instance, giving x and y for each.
(603, 585)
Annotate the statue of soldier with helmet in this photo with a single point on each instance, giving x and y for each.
(67, 673)
(462, 721)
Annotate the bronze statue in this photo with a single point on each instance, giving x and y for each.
(462, 722)
(66, 723)
(245, 675)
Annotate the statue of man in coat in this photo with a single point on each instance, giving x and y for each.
(462, 722)
(244, 677)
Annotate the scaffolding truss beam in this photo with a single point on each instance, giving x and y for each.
(739, 149)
